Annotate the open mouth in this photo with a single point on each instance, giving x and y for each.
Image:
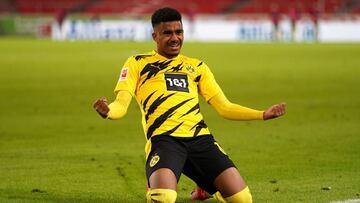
(174, 45)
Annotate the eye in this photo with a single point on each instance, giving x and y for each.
(179, 32)
(167, 32)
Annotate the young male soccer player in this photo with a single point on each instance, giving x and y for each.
(166, 85)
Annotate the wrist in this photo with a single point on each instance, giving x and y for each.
(264, 115)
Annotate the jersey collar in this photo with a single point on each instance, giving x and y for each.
(163, 57)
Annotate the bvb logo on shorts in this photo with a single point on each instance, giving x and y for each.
(154, 160)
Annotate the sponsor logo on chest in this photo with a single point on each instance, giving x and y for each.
(177, 82)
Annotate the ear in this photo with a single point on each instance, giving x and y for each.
(154, 35)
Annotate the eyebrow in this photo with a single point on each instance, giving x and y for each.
(170, 31)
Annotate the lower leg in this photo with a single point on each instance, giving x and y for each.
(162, 184)
(232, 186)
(229, 182)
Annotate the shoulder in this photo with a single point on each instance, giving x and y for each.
(138, 57)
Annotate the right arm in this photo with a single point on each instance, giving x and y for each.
(124, 91)
(117, 109)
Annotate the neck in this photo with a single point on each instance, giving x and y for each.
(166, 55)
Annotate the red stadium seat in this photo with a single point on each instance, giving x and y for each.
(146, 7)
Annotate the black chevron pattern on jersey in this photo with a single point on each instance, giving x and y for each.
(197, 106)
(200, 125)
(142, 56)
(162, 118)
(176, 68)
(197, 79)
(153, 68)
(147, 100)
(158, 101)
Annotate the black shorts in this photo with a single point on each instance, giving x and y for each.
(199, 158)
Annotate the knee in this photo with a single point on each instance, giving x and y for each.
(161, 196)
(243, 196)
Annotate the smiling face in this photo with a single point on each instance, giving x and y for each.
(169, 37)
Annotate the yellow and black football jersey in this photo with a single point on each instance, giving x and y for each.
(167, 93)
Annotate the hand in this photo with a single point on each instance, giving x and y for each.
(101, 106)
(275, 111)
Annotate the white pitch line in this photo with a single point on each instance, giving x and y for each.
(347, 201)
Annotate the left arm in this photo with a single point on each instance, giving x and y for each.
(213, 94)
(233, 111)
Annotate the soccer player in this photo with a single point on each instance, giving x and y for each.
(166, 86)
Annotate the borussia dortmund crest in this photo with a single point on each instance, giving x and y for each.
(190, 68)
(154, 160)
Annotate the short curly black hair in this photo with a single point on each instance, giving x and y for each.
(165, 14)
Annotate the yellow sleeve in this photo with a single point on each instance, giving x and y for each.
(233, 111)
(129, 76)
(208, 86)
(118, 108)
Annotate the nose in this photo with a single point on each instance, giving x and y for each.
(174, 37)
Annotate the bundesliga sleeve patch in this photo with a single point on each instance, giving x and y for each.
(177, 82)
(123, 74)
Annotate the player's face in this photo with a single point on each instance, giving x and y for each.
(169, 37)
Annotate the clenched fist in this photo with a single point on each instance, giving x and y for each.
(101, 106)
(275, 111)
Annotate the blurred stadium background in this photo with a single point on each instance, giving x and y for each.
(56, 59)
(205, 20)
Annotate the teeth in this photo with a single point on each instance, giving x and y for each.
(174, 44)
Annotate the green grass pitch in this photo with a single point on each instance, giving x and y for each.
(55, 148)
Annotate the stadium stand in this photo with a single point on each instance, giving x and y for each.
(145, 7)
(305, 6)
(7, 6)
(119, 7)
(350, 6)
(50, 7)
